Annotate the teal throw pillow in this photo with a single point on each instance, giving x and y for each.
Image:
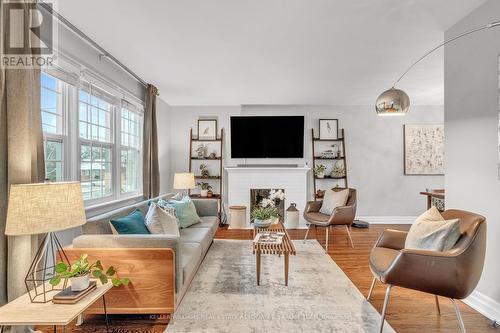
(133, 223)
(166, 206)
(185, 212)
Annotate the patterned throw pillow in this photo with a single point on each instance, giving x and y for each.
(185, 211)
(166, 206)
(159, 221)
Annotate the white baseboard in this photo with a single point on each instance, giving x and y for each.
(388, 219)
(483, 304)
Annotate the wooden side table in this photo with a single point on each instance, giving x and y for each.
(286, 248)
(21, 312)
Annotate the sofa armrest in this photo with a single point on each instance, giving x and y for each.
(206, 207)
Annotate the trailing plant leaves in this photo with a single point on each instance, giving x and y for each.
(103, 278)
(116, 282)
(98, 265)
(97, 274)
(61, 267)
(55, 280)
(125, 281)
(110, 271)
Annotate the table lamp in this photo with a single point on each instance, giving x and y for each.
(184, 181)
(43, 209)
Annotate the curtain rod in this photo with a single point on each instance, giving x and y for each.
(82, 35)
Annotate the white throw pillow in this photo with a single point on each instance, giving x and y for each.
(432, 232)
(332, 200)
(159, 221)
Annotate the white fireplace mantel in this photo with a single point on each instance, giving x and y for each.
(240, 180)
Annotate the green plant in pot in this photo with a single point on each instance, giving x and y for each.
(263, 217)
(79, 274)
(319, 171)
(204, 188)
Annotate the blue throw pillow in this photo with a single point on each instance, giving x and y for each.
(185, 212)
(166, 206)
(133, 223)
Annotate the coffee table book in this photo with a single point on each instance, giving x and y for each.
(269, 238)
(67, 296)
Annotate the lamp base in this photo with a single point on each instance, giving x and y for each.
(43, 268)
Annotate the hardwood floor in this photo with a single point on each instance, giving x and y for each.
(408, 311)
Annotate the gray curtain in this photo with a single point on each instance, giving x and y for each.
(21, 161)
(151, 173)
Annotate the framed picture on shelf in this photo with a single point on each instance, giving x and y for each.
(207, 129)
(328, 129)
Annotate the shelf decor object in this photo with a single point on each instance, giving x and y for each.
(43, 209)
(424, 149)
(394, 102)
(339, 162)
(207, 129)
(208, 161)
(328, 129)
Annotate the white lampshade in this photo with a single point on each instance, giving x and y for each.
(184, 181)
(45, 207)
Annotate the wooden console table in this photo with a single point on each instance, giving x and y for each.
(433, 194)
(21, 312)
(286, 248)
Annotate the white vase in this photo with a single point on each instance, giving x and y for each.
(203, 193)
(79, 283)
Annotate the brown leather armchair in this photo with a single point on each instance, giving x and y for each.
(341, 215)
(453, 274)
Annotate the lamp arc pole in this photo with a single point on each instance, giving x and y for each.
(395, 101)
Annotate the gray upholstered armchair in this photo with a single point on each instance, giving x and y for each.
(341, 215)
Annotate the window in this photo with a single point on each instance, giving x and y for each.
(130, 150)
(92, 135)
(53, 112)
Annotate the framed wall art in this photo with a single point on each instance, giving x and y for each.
(424, 149)
(207, 129)
(328, 129)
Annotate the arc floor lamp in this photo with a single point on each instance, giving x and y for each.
(394, 102)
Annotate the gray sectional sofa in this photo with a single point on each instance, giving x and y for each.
(143, 258)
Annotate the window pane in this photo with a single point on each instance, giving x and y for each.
(51, 103)
(96, 171)
(53, 160)
(98, 114)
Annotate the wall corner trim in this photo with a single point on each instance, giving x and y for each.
(483, 304)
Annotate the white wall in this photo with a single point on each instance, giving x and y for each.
(374, 150)
(471, 122)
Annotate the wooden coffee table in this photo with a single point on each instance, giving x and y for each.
(286, 248)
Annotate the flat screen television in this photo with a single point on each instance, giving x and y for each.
(267, 137)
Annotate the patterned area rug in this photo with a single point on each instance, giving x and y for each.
(224, 296)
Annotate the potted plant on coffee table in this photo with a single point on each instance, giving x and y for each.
(319, 171)
(204, 188)
(80, 271)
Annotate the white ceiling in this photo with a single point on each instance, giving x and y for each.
(231, 52)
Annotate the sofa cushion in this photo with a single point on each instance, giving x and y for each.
(191, 255)
(203, 236)
(159, 221)
(131, 224)
(211, 222)
(185, 211)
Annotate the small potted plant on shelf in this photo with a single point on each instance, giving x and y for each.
(319, 171)
(210, 193)
(201, 151)
(338, 170)
(80, 271)
(263, 217)
(205, 188)
(204, 171)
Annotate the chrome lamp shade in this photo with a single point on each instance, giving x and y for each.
(392, 102)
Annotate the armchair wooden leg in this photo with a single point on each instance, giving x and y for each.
(437, 304)
(326, 244)
(349, 234)
(384, 309)
(371, 289)
(459, 316)
(307, 232)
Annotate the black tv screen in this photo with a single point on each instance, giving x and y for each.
(267, 137)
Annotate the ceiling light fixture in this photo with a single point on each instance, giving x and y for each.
(395, 102)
